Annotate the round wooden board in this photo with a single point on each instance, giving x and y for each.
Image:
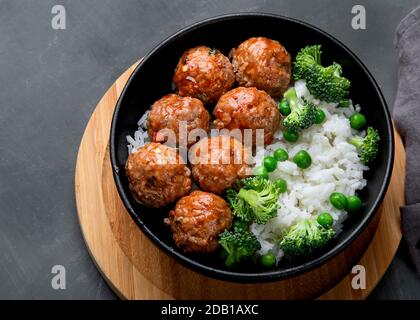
(136, 269)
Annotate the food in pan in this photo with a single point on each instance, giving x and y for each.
(262, 63)
(172, 111)
(157, 175)
(218, 162)
(203, 73)
(197, 221)
(289, 199)
(248, 108)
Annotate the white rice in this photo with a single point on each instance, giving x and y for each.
(335, 168)
(141, 137)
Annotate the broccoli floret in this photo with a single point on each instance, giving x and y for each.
(260, 196)
(325, 83)
(305, 237)
(256, 200)
(239, 224)
(303, 113)
(305, 59)
(344, 103)
(239, 207)
(238, 245)
(367, 146)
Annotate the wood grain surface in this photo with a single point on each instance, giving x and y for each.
(136, 269)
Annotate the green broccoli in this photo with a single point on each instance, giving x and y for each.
(256, 200)
(239, 224)
(303, 113)
(239, 207)
(367, 146)
(306, 58)
(324, 83)
(345, 103)
(238, 245)
(305, 237)
(327, 84)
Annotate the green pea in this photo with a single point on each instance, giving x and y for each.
(320, 116)
(290, 136)
(284, 108)
(357, 121)
(302, 159)
(281, 155)
(281, 185)
(261, 171)
(268, 260)
(353, 204)
(338, 200)
(270, 163)
(325, 220)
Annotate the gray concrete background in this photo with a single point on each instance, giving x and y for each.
(50, 83)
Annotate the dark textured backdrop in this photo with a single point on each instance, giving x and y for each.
(51, 81)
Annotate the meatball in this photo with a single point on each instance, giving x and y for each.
(167, 113)
(248, 108)
(197, 221)
(262, 63)
(218, 162)
(204, 73)
(157, 175)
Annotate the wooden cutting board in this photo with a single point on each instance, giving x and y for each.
(136, 269)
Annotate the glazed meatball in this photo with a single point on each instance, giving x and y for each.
(197, 221)
(248, 108)
(204, 73)
(157, 175)
(218, 162)
(167, 113)
(262, 63)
